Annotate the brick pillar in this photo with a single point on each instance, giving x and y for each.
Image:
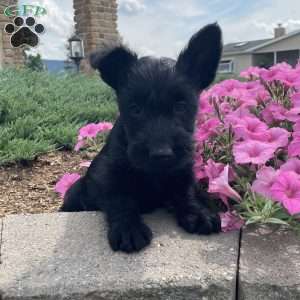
(8, 54)
(95, 23)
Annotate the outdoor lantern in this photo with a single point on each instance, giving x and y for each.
(76, 50)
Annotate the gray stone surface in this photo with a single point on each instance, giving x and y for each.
(66, 256)
(1, 222)
(269, 264)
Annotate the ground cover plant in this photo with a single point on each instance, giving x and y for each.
(41, 112)
(247, 142)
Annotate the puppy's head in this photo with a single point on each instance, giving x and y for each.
(157, 98)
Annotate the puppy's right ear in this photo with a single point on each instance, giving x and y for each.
(113, 64)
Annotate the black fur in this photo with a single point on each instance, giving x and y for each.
(147, 161)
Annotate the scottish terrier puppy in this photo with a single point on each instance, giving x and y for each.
(147, 161)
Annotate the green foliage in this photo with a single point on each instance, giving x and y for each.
(34, 62)
(40, 112)
(257, 209)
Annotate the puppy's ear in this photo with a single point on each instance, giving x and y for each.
(199, 60)
(113, 63)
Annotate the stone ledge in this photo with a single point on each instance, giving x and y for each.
(269, 266)
(66, 256)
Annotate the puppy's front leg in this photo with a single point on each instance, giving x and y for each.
(193, 215)
(126, 231)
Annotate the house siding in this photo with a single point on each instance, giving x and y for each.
(291, 43)
(240, 62)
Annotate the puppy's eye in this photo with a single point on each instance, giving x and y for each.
(135, 110)
(180, 107)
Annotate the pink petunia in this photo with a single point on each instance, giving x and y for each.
(295, 98)
(80, 143)
(265, 178)
(213, 169)
(230, 221)
(89, 130)
(292, 165)
(251, 128)
(104, 126)
(286, 190)
(207, 129)
(85, 164)
(221, 185)
(92, 129)
(274, 112)
(235, 117)
(251, 72)
(254, 152)
(277, 137)
(294, 147)
(199, 171)
(296, 127)
(65, 183)
(293, 114)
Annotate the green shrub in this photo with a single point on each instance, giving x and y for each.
(41, 111)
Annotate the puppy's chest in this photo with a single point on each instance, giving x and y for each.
(154, 193)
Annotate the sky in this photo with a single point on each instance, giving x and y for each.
(163, 27)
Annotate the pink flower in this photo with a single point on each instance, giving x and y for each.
(274, 112)
(292, 165)
(286, 190)
(235, 117)
(92, 129)
(199, 166)
(269, 75)
(295, 98)
(264, 180)
(230, 221)
(289, 77)
(207, 129)
(204, 106)
(296, 127)
(293, 114)
(251, 72)
(213, 169)
(244, 97)
(278, 137)
(221, 186)
(254, 152)
(65, 183)
(294, 147)
(251, 128)
(104, 126)
(89, 130)
(86, 163)
(80, 143)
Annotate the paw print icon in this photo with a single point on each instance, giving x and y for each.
(24, 32)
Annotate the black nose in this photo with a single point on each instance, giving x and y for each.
(161, 153)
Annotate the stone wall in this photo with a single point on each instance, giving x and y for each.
(95, 23)
(8, 54)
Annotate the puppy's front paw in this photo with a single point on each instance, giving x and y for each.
(201, 222)
(130, 237)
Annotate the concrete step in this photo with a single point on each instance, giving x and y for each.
(269, 265)
(66, 256)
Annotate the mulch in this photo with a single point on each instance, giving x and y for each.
(30, 189)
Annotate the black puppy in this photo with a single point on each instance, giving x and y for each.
(147, 161)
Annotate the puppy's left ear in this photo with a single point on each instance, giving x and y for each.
(200, 59)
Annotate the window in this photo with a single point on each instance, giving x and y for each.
(225, 66)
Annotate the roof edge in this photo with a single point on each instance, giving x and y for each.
(273, 41)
